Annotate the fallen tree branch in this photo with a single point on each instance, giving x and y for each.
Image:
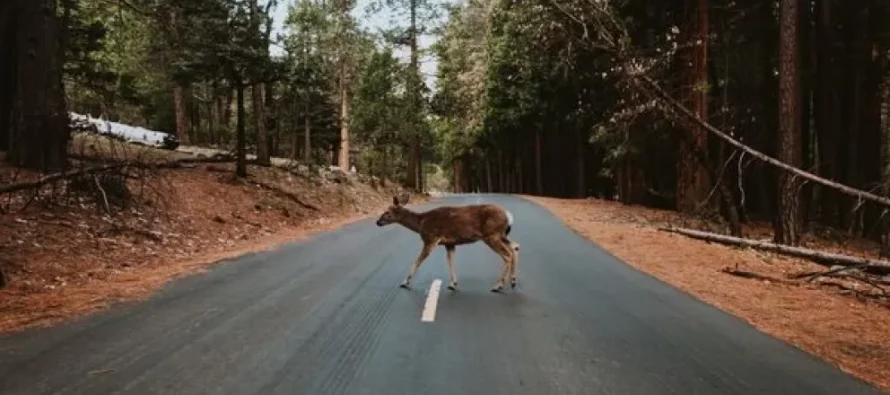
(812, 275)
(756, 276)
(873, 266)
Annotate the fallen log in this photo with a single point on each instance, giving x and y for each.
(873, 266)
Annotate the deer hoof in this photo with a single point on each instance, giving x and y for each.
(497, 288)
(452, 287)
(513, 284)
(404, 285)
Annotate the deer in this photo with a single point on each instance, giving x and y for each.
(451, 226)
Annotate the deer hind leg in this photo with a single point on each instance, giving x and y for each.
(504, 250)
(450, 255)
(427, 248)
(514, 250)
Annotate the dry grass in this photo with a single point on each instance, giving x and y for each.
(66, 260)
(841, 327)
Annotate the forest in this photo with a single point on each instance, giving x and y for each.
(646, 126)
(737, 111)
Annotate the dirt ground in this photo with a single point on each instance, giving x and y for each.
(849, 326)
(64, 257)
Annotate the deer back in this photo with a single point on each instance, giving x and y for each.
(463, 224)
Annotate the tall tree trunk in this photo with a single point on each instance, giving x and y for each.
(520, 182)
(262, 136)
(414, 161)
(7, 69)
(539, 176)
(859, 52)
(344, 121)
(307, 138)
(213, 110)
(885, 161)
(241, 151)
(581, 180)
(826, 109)
(227, 110)
(39, 135)
(489, 186)
(458, 182)
(182, 121)
(692, 177)
(257, 94)
(502, 186)
(787, 225)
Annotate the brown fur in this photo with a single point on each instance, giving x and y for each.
(452, 226)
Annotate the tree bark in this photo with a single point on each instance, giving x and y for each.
(262, 135)
(39, 135)
(488, 175)
(414, 162)
(241, 152)
(458, 182)
(539, 176)
(502, 186)
(692, 179)
(307, 138)
(7, 70)
(787, 224)
(826, 107)
(182, 122)
(581, 176)
(344, 121)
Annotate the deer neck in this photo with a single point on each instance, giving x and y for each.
(411, 220)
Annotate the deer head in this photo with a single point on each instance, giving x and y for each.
(395, 212)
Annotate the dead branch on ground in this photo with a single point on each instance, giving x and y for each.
(755, 276)
(874, 266)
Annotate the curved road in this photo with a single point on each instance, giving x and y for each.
(326, 316)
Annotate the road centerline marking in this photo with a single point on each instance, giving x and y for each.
(432, 300)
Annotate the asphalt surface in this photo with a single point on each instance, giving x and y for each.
(326, 316)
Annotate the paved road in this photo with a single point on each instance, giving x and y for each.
(326, 317)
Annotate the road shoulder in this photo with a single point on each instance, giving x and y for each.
(846, 332)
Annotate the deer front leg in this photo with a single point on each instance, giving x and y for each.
(450, 255)
(427, 248)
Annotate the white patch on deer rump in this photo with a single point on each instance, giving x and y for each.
(509, 218)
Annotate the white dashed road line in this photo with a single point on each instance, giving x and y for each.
(432, 299)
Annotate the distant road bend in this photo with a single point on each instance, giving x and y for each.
(326, 316)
